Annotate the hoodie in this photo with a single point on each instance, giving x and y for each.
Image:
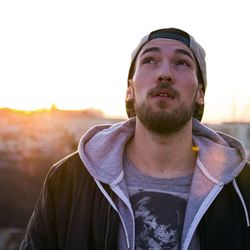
(221, 158)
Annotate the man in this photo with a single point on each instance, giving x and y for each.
(160, 180)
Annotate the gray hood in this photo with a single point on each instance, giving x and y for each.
(222, 155)
(101, 150)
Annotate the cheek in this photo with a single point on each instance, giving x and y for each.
(140, 79)
(141, 85)
(191, 82)
(189, 89)
(193, 95)
(143, 77)
(140, 92)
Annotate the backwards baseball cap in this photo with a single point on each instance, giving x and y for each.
(188, 40)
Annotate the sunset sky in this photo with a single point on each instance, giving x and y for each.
(76, 54)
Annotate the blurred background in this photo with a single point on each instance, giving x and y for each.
(63, 69)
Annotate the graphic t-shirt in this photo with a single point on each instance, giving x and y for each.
(159, 206)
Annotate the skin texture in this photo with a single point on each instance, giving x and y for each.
(164, 89)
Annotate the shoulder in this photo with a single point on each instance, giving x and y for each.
(67, 165)
(69, 171)
(244, 176)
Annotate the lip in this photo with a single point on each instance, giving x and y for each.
(164, 94)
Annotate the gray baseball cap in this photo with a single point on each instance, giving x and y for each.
(188, 40)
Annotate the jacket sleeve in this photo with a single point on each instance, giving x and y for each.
(41, 231)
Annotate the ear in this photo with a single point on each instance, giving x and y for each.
(200, 95)
(130, 91)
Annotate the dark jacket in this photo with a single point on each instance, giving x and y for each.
(85, 198)
(72, 213)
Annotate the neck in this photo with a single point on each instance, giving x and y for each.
(162, 156)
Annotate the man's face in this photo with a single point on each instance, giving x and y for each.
(165, 86)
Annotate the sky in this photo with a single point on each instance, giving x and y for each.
(76, 54)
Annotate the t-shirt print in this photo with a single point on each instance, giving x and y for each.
(158, 220)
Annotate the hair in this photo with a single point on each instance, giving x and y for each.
(185, 38)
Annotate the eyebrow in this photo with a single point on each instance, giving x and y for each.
(151, 49)
(184, 52)
(178, 51)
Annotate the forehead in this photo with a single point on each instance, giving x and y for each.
(166, 45)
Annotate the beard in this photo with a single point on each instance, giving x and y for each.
(163, 122)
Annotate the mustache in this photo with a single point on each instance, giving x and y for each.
(161, 87)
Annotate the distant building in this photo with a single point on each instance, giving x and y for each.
(239, 130)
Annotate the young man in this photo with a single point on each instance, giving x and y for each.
(160, 180)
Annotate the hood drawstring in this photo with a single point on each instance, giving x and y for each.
(111, 202)
(242, 201)
(206, 173)
(211, 178)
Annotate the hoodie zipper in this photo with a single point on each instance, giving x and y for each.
(108, 222)
(115, 208)
(203, 208)
(120, 194)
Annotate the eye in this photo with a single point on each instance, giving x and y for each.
(148, 60)
(183, 63)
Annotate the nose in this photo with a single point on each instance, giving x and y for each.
(165, 74)
(165, 78)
